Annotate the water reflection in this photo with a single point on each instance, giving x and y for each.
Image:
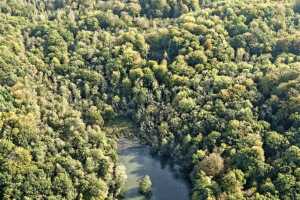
(139, 162)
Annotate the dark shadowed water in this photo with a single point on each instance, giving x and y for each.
(138, 162)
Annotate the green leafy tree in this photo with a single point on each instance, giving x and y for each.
(145, 185)
(212, 164)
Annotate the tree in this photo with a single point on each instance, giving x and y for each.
(275, 142)
(212, 164)
(121, 177)
(186, 104)
(145, 185)
(63, 186)
(285, 184)
(135, 74)
(197, 57)
(233, 181)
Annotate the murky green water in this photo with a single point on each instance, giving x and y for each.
(138, 162)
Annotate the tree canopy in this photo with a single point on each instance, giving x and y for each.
(212, 85)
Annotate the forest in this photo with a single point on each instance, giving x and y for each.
(213, 85)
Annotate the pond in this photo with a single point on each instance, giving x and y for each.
(166, 185)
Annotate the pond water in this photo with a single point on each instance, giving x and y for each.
(166, 185)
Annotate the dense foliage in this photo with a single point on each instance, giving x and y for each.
(214, 85)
